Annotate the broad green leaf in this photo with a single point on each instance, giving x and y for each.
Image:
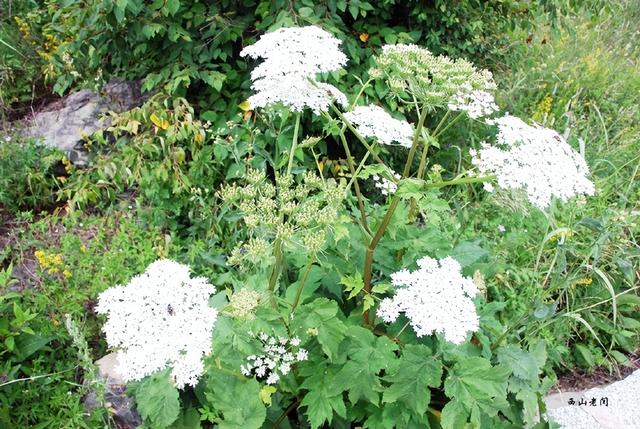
(157, 400)
(321, 315)
(454, 415)
(523, 364)
(417, 371)
(367, 356)
(476, 386)
(189, 419)
(237, 400)
(172, 6)
(322, 398)
(468, 252)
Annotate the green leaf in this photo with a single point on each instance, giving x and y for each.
(237, 400)
(417, 371)
(367, 356)
(157, 400)
(454, 415)
(214, 79)
(353, 284)
(322, 398)
(305, 12)
(322, 314)
(476, 386)
(28, 344)
(189, 419)
(468, 252)
(172, 6)
(586, 355)
(523, 364)
(410, 188)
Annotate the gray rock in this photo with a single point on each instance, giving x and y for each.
(121, 407)
(63, 123)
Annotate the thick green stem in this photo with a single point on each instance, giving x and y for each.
(364, 159)
(307, 270)
(294, 143)
(357, 135)
(275, 271)
(368, 259)
(356, 187)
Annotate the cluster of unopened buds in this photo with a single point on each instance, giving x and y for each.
(279, 354)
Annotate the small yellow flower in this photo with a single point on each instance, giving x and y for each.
(67, 274)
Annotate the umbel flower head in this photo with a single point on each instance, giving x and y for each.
(436, 298)
(292, 59)
(160, 319)
(279, 354)
(374, 121)
(433, 80)
(534, 159)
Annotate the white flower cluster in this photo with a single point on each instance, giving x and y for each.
(160, 319)
(476, 103)
(436, 298)
(387, 187)
(293, 57)
(374, 121)
(535, 159)
(277, 360)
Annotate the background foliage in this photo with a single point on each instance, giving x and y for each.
(561, 288)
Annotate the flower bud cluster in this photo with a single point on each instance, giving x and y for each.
(243, 304)
(279, 355)
(292, 59)
(433, 80)
(297, 211)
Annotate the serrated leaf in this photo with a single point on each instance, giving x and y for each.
(523, 364)
(478, 387)
(172, 6)
(157, 400)
(367, 356)
(322, 314)
(322, 398)
(410, 188)
(416, 372)
(237, 400)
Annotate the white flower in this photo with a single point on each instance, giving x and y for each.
(535, 159)
(292, 59)
(160, 319)
(276, 361)
(501, 228)
(387, 187)
(476, 103)
(273, 378)
(374, 121)
(302, 355)
(296, 93)
(436, 298)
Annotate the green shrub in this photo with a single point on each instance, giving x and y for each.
(29, 174)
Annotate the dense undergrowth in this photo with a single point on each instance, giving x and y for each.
(559, 287)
